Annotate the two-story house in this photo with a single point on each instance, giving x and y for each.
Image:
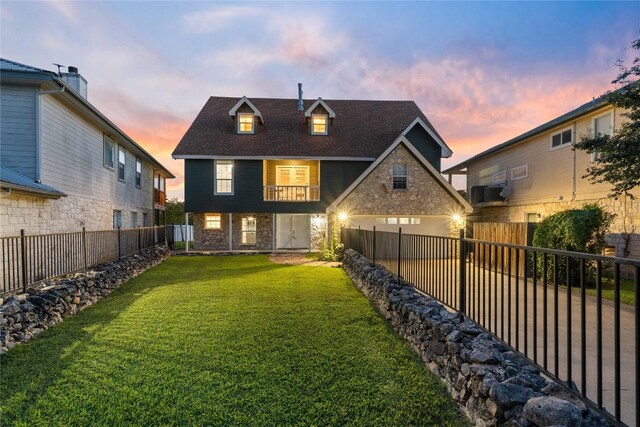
(63, 164)
(268, 174)
(539, 173)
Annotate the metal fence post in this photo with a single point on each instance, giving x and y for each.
(23, 243)
(461, 273)
(119, 245)
(374, 245)
(399, 250)
(84, 248)
(139, 239)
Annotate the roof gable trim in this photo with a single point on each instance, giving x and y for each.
(320, 101)
(245, 100)
(446, 151)
(425, 164)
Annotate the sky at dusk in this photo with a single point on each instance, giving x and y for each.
(482, 72)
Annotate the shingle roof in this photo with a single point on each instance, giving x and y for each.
(6, 64)
(19, 182)
(362, 129)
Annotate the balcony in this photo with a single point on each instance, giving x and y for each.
(159, 198)
(292, 193)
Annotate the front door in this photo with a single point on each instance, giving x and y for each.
(292, 231)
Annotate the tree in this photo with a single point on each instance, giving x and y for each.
(174, 211)
(618, 155)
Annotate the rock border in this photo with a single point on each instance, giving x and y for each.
(493, 385)
(25, 316)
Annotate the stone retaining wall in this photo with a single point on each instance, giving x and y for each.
(24, 316)
(492, 384)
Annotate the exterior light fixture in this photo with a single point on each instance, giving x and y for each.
(342, 216)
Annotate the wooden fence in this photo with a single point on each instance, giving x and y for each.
(516, 233)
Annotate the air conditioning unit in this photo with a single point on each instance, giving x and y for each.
(492, 194)
(476, 193)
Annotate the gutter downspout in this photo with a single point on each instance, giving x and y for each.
(39, 127)
(573, 188)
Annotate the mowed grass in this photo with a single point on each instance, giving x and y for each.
(224, 341)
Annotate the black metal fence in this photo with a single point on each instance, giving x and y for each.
(27, 259)
(548, 305)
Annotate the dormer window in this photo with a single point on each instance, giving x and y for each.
(246, 123)
(319, 124)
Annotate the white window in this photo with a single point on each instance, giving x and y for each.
(519, 172)
(138, 173)
(145, 219)
(499, 177)
(319, 124)
(134, 219)
(109, 152)
(602, 125)
(121, 159)
(392, 221)
(562, 138)
(224, 177)
(403, 221)
(117, 219)
(245, 123)
(249, 230)
(381, 220)
(399, 176)
(415, 221)
(212, 221)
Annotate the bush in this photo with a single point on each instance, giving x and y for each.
(331, 251)
(576, 230)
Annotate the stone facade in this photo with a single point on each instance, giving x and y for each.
(37, 215)
(264, 232)
(318, 231)
(218, 240)
(492, 384)
(213, 240)
(24, 316)
(624, 233)
(423, 196)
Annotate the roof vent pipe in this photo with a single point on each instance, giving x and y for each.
(300, 101)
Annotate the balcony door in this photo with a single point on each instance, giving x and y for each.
(292, 231)
(292, 182)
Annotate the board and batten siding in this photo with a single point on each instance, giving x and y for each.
(550, 172)
(18, 130)
(72, 160)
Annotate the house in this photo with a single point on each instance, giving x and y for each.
(538, 173)
(63, 164)
(266, 174)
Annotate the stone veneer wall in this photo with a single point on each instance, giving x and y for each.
(37, 215)
(492, 384)
(264, 232)
(423, 196)
(24, 316)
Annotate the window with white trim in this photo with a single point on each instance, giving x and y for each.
(117, 219)
(224, 177)
(109, 152)
(602, 126)
(246, 123)
(249, 230)
(121, 160)
(399, 177)
(562, 138)
(138, 173)
(212, 221)
(134, 219)
(319, 124)
(520, 172)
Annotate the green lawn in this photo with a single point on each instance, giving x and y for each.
(224, 341)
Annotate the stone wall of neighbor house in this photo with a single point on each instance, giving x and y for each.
(212, 240)
(47, 303)
(375, 194)
(264, 232)
(318, 231)
(37, 215)
(624, 233)
(492, 384)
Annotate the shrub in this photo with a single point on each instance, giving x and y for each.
(576, 230)
(332, 250)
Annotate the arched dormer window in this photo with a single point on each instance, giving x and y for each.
(246, 115)
(319, 117)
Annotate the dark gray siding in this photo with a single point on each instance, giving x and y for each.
(335, 177)
(425, 144)
(18, 129)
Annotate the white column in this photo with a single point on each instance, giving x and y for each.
(230, 232)
(186, 226)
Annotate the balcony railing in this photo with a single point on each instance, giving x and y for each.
(159, 197)
(291, 193)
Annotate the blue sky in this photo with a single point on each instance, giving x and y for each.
(483, 72)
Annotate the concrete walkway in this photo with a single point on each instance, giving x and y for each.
(487, 303)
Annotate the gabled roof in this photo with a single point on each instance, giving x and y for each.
(446, 151)
(6, 64)
(364, 131)
(320, 101)
(420, 158)
(14, 181)
(244, 100)
(587, 108)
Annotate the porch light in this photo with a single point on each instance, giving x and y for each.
(342, 216)
(457, 219)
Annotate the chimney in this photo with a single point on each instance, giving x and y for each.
(76, 81)
(300, 101)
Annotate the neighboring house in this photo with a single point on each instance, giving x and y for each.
(64, 165)
(539, 173)
(265, 174)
